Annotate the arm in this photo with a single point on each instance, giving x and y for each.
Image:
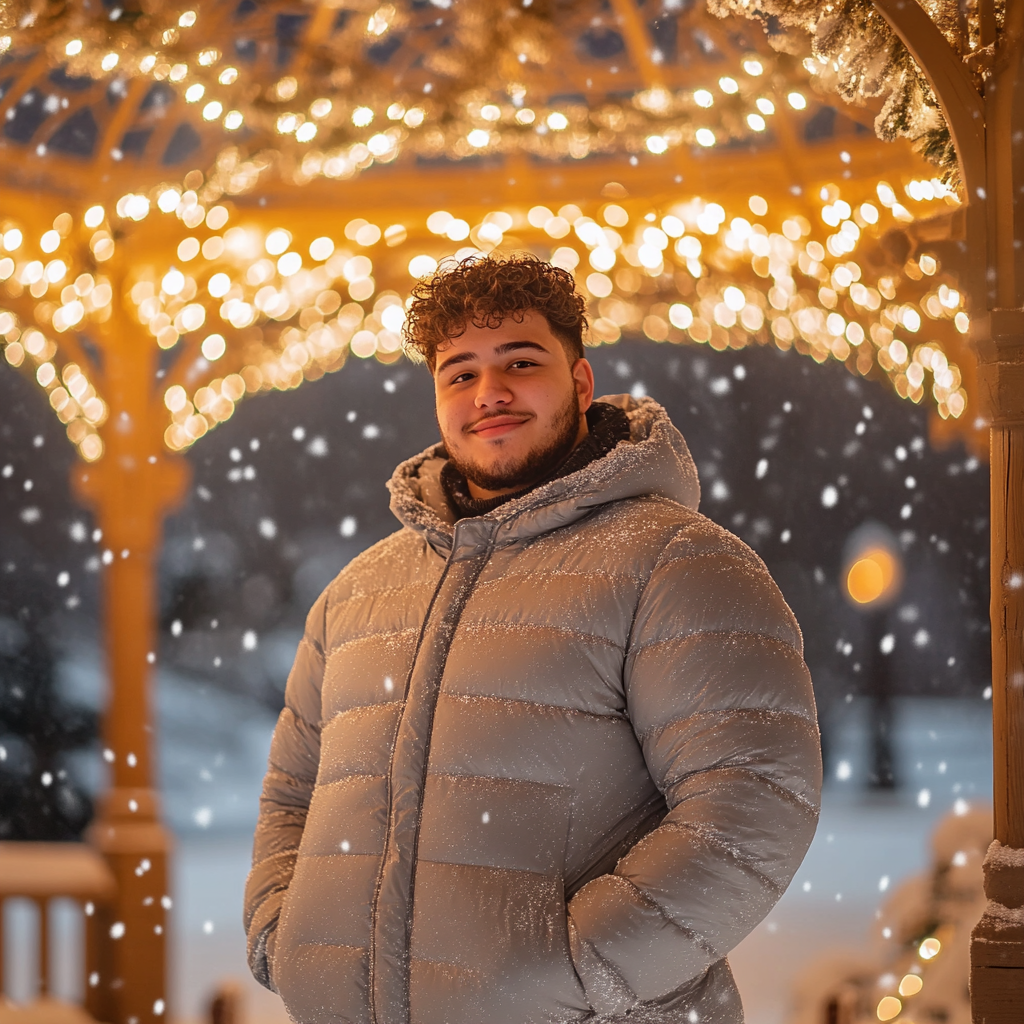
(287, 789)
(721, 701)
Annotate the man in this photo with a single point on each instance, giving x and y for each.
(549, 751)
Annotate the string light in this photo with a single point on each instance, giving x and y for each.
(688, 270)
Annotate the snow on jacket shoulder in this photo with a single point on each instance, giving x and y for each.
(545, 765)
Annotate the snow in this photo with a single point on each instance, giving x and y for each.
(1005, 856)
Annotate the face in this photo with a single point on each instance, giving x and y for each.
(510, 404)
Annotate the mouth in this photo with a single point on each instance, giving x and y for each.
(497, 426)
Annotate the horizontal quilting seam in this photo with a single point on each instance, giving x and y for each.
(709, 840)
(500, 699)
(647, 898)
(683, 637)
(481, 624)
(324, 944)
(488, 867)
(356, 708)
(546, 572)
(502, 779)
(348, 776)
(767, 713)
(414, 957)
(378, 588)
(371, 634)
(766, 780)
(303, 855)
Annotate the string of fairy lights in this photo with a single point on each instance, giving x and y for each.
(253, 309)
(241, 304)
(339, 125)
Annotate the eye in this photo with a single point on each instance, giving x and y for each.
(461, 378)
(520, 363)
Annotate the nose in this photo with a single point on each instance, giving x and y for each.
(492, 390)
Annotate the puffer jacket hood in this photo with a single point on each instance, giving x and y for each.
(542, 766)
(655, 461)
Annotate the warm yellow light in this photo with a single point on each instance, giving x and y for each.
(321, 249)
(50, 241)
(322, 107)
(656, 144)
(228, 76)
(188, 19)
(175, 398)
(525, 116)
(362, 116)
(888, 1008)
(422, 266)
(911, 985)
(765, 105)
(233, 120)
(557, 121)
(753, 67)
(929, 948)
(212, 110)
(277, 241)
(109, 61)
(728, 85)
(797, 100)
(490, 112)
(306, 132)
(214, 347)
(756, 122)
(703, 98)
(871, 576)
(758, 206)
(478, 138)
(73, 48)
(173, 282)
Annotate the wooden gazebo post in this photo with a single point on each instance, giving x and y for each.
(983, 122)
(131, 490)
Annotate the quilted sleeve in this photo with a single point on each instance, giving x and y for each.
(721, 701)
(287, 789)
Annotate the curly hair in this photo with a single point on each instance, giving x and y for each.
(486, 291)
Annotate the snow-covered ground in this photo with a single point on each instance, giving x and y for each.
(213, 751)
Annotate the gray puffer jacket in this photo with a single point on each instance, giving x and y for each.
(546, 765)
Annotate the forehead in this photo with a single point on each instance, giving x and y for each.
(482, 340)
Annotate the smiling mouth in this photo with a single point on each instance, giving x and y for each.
(496, 426)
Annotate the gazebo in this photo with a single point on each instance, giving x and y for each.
(202, 203)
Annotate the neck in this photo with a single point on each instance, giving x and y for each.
(483, 494)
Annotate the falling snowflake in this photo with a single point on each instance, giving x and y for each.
(249, 640)
(268, 528)
(317, 447)
(829, 496)
(348, 526)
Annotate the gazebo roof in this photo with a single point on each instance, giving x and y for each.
(717, 196)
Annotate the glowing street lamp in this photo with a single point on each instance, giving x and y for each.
(872, 578)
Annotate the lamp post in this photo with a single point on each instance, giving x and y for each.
(872, 578)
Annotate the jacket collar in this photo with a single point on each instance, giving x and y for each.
(655, 461)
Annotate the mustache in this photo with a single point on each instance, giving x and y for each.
(470, 427)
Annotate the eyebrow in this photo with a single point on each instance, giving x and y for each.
(500, 350)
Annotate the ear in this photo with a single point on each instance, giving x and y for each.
(583, 379)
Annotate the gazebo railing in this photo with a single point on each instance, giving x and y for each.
(44, 873)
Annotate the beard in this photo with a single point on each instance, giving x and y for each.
(522, 471)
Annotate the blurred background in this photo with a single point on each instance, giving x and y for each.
(794, 458)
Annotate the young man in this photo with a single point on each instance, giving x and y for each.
(549, 751)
